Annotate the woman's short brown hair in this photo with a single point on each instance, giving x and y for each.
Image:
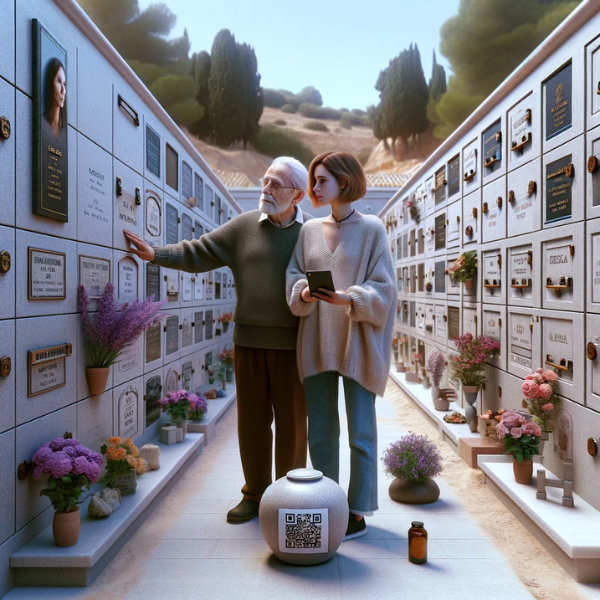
(346, 170)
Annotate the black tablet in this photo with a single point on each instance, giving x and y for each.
(319, 279)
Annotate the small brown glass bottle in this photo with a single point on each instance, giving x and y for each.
(417, 543)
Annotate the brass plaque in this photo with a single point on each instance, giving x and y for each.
(46, 275)
(46, 369)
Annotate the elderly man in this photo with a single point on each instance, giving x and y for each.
(257, 246)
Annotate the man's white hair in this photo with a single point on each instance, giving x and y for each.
(299, 172)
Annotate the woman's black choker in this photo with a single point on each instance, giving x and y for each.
(342, 220)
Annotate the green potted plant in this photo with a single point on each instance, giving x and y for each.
(123, 463)
(464, 268)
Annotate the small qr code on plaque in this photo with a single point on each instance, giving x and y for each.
(303, 531)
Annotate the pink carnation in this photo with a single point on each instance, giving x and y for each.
(538, 378)
(548, 407)
(516, 432)
(500, 431)
(550, 375)
(545, 391)
(540, 371)
(531, 428)
(529, 378)
(530, 389)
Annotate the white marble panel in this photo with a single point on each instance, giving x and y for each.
(94, 94)
(87, 253)
(128, 282)
(187, 331)
(153, 215)
(7, 43)
(441, 322)
(524, 199)
(592, 338)
(523, 342)
(429, 277)
(592, 83)
(131, 363)
(429, 320)
(471, 166)
(524, 130)
(128, 138)
(45, 332)
(492, 264)
(172, 345)
(7, 147)
(29, 438)
(428, 229)
(471, 219)
(7, 384)
(494, 130)
(7, 489)
(128, 211)
(95, 420)
(493, 210)
(171, 376)
(30, 308)
(95, 187)
(128, 409)
(25, 219)
(593, 172)
(7, 280)
(494, 326)
(471, 319)
(523, 273)
(496, 391)
(593, 266)
(66, 33)
(420, 318)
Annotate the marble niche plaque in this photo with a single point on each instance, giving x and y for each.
(440, 185)
(129, 357)
(187, 333)
(521, 342)
(128, 280)
(153, 343)
(187, 371)
(559, 184)
(186, 286)
(151, 398)
(128, 412)
(208, 328)
(153, 281)
(470, 168)
(153, 216)
(454, 175)
(217, 285)
(558, 108)
(94, 274)
(95, 202)
(199, 286)
(46, 369)
(186, 182)
(172, 225)
(172, 168)
(187, 227)
(198, 327)
(209, 285)
(492, 146)
(172, 331)
(172, 279)
(521, 128)
(453, 322)
(46, 275)
(198, 230)
(171, 381)
(440, 277)
(127, 208)
(199, 192)
(152, 151)
(440, 232)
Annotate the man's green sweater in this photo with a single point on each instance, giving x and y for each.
(258, 254)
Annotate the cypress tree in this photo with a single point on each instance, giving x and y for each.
(418, 94)
(201, 64)
(437, 83)
(252, 93)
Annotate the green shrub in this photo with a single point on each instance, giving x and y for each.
(310, 94)
(349, 119)
(343, 110)
(273, 98)
(318, 112)
(274, 142)
(365, 121)
(281, 122)
(316, 126)
(359, 112)
(288, 108)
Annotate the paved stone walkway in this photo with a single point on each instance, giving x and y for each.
(186, 550)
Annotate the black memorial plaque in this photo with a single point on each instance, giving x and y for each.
(453, 322)
(172, 168)
(454, 176)
(50, 132)
(440, 232)
(492, 147)
(199, 191)
(198, 327)
(559, 187)
(153, 343)
(172, 225)
(152, 151)
(558, 90)
(440, 277)
(172, 332)
(440, 185)
(198, 229)
(217, 285)
(208, 328)
(187, 370)
(187, 227)
(186, 180)
(152, 396)
(412, 310)
(153, 281)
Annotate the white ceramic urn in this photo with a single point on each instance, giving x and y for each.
(303, 517)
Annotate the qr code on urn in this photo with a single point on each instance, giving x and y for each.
(302, 531)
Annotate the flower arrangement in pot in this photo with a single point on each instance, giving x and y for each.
(226, 359)
(72, 468)
(226, 318)
(123, 463)
(469, 367)
(395, 348)
(521, 435)
(413, 210)
(488, 421)
(436, 364)
(197, 409)
(413, 461)
(177, 405)
(464, 268)
(114, 328)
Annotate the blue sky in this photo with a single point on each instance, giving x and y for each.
(337, 46)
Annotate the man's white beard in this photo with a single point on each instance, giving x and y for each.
(269, 205)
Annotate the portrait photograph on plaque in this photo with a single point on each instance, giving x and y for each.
(47, 275)
(558, 106)
(49, 126)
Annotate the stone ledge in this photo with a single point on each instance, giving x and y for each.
(40, 563)
(216, 409)
(450, 432)
(569, 534)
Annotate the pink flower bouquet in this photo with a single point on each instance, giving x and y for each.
(469, 365)
(521, 434)
(540, 397)
(178, 404)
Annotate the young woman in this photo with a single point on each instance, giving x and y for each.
(345, 333)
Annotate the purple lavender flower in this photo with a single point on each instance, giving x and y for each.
(414, 458)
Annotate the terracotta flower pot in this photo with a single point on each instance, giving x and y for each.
(65, 527)
(408, 492)
(523, 471)
(96, 379)
(468, 284)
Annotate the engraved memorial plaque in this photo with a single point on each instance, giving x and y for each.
(153, 393)
(559, 183)
(557, 348)
(127, 208)
(187, 333)
(470, 167)
(153, 343)
(440, 277)
(521, 341)
(217, 285)
(441, 329)
(187, 227)
(186, 287)
(46, 275)
(95, 203)
(209, 285)
(453, 322)
(440, 185)
(199, 286)
(46, 369)
(186, 182)
(129, 358)
(94, 274)
(199, 191)
(412, 310)
(429, 318)
(172, 279)
(153, 216)
(492, 147)
(491, 326)
(491, 274)
(171, 381)
(172, 225)
(454, 176)
(521, 269)
(128, 412)
(558, 269)
(153, 281)
(50, 131)
(440, 232)
(558, 90)
(198, 327)
(172, 337)
(172, 167)
(187, 370)
(152, 151)
(521, 129)
(128, 280)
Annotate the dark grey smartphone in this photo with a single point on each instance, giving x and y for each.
(319, 279)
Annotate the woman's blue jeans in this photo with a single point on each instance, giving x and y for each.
(321, 393)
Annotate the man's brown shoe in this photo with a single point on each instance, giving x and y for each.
(244, 511)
